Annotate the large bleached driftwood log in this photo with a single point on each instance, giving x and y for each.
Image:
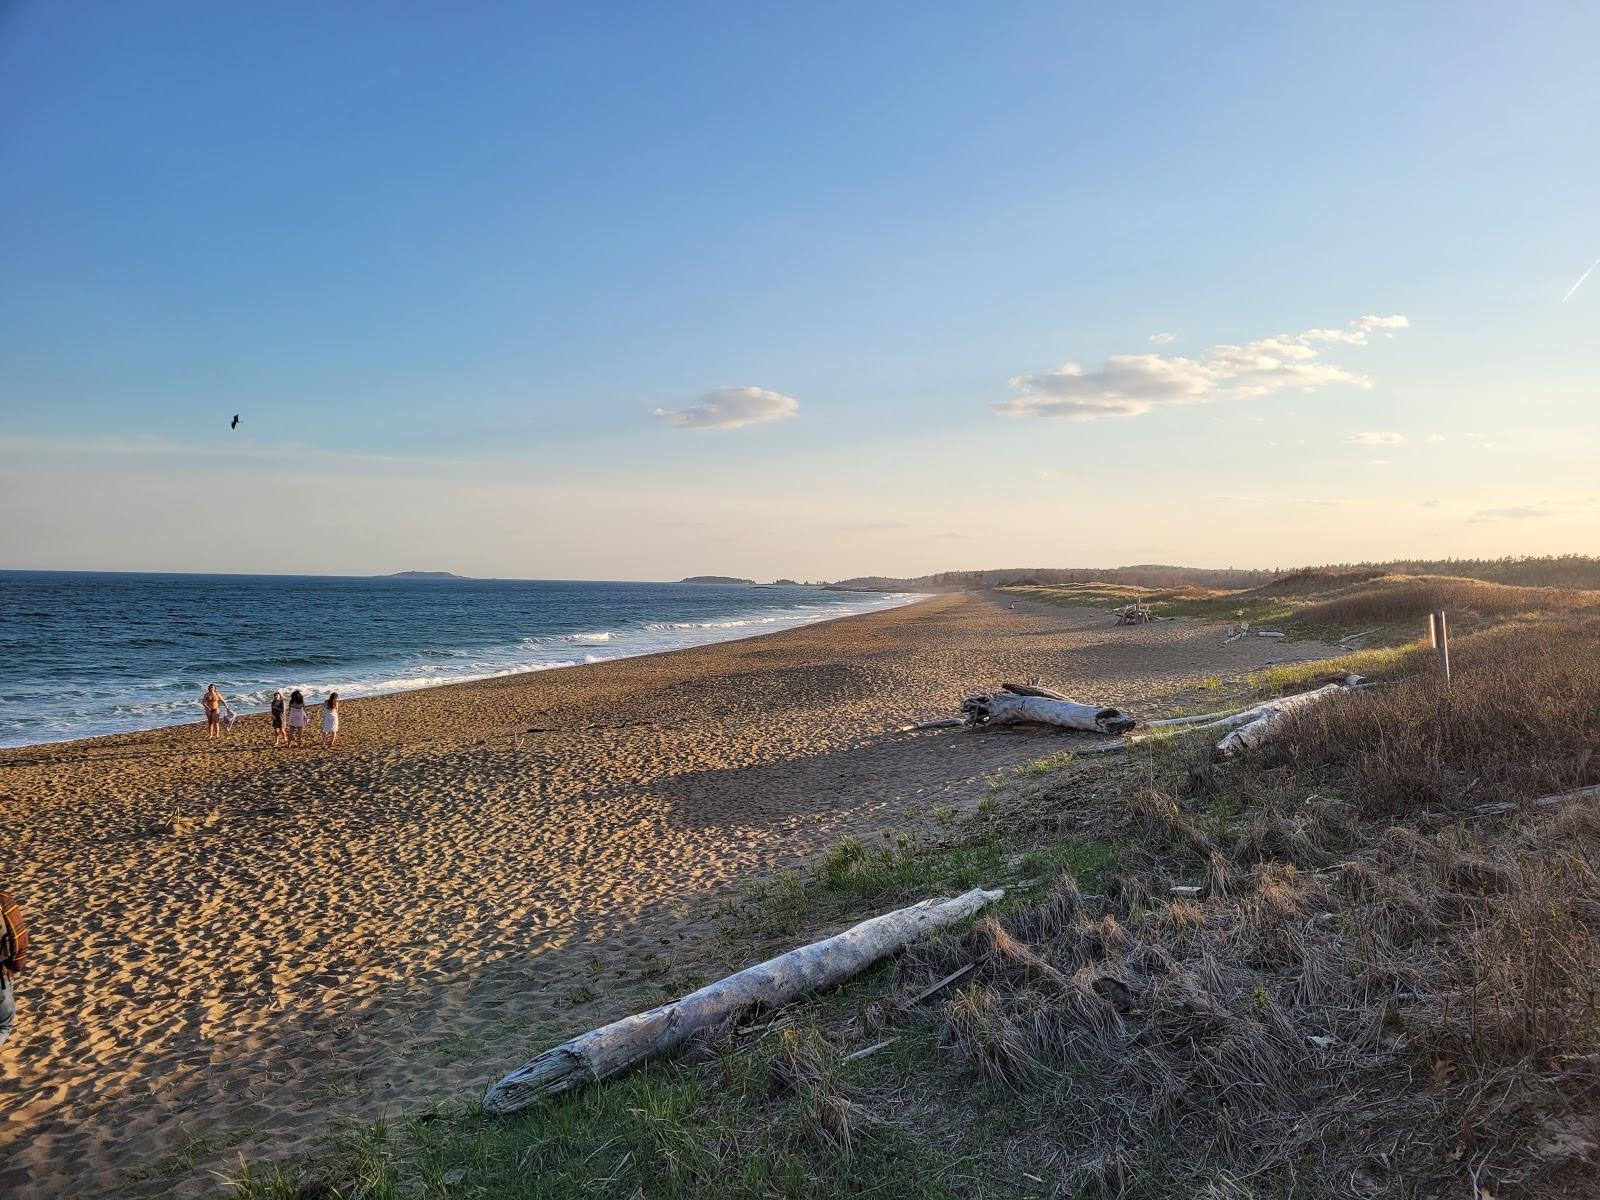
(1007, 708)
(1256, 725)
(622, 1045)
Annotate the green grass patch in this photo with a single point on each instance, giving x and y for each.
(196, 1149)
(1378, 663)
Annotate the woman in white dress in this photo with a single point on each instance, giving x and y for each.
(330, 719)
(296, 720)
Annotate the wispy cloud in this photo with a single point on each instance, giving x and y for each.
(732, 408)
(1132, 384)
(1581, 278)
(142, 446)
(1376, 439)
(1359, 331)
(1267, 500)
(1163, 339)
(1430, 504)
(1543, 508)
(870, 527)
(1514, 512)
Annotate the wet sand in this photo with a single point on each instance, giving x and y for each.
(475, 871)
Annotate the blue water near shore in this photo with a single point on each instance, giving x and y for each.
(91, 653)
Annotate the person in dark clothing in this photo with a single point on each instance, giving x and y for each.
(13, 952)
(278, 736)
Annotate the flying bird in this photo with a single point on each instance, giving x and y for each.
(1581, 278)
(234, 424)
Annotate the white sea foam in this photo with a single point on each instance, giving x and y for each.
(166, 700)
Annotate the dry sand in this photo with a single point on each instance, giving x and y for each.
(394, 923)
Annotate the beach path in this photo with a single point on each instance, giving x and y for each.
(476, 871)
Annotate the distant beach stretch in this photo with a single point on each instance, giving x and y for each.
(89, 654)
(236, 946)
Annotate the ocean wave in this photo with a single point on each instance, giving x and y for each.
(72, 707)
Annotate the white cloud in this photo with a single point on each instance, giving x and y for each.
(1381, 462)
(733, 408)
(1434, 437)
(1430, 504)
(1525, 512)
(1356, 335)
(1131, 384)
(1376, 439)
(1162, 339)
(1515, 512)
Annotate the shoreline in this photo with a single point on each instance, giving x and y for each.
(561, 839)
(353, 694)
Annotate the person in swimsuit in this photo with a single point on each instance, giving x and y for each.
(297, 717)
(213, 703)
(330, 719)
(277, 718)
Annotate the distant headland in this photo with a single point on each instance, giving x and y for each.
(714, 579)
(424, 575)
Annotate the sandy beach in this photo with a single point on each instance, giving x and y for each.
(475, 871)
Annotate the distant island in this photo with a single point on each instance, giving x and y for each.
(423, 575)
(714, 579)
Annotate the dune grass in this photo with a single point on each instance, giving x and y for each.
(1390, 609)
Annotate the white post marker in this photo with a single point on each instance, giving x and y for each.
(1440, 634)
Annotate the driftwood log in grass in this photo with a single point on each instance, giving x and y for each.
(622, 1045)
(1009, 708)
(1256, 725)
(1251, 726)
(1504, 806)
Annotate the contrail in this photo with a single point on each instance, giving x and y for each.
(1581, 278)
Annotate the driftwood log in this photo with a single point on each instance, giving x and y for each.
(941, 723)
(622, 1045)
(1256, 725)
(1010, 708)
(1504, 806)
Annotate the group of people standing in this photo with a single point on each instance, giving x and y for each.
(289, 718)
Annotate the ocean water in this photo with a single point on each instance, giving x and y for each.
(91, 653)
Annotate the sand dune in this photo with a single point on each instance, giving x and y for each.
(391, 924)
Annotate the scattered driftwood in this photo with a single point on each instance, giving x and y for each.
(872, 1049)
(1134, 614)
(1009, 708)
(1033, 689)
(1268, 633)
(942, 983)
(1256, 725)
(1198, 719)
(941, 723)
(1550, 801)
(622, 1045)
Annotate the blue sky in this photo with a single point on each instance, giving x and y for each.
(448, 262)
